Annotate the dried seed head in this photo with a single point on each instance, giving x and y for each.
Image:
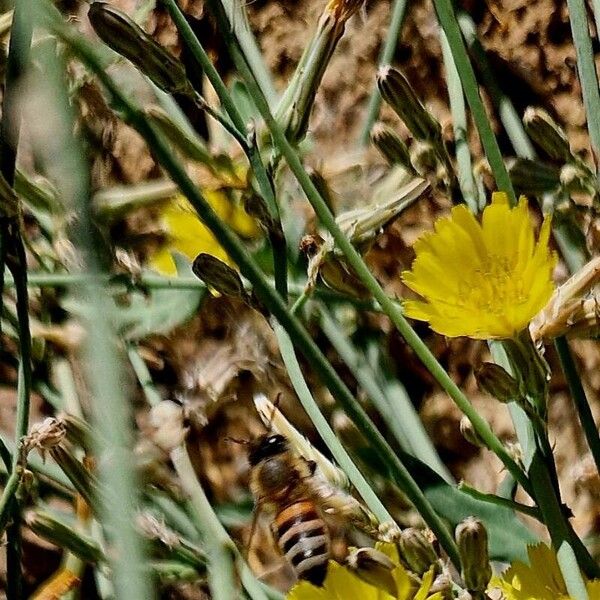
(168, 425)
(577, 179)
(342, 10)
(155, 529)
(125, 37)
(399, 94)
(389, 532)
(497, 382)
(44, 435)
(547, 134)
(574, 307)
(374, 567)
(391, 145)
(218, 275)
(472, 540)
(417, 550)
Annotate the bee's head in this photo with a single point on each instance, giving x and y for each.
(265, 447)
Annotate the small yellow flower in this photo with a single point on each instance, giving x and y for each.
(342, 584)
(189, 236)
(483, 280)
(540, 580)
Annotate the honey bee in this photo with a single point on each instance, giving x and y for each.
(301, 503)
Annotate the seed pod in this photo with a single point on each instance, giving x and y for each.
(391, 146)
(128, 39)
(547, 134)
(417, 550)
(399, 94)
(57, 532)
(218, 275)
(497, 382)
(374, 567)
(472, 540)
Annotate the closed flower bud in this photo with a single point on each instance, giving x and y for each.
(472, 540)
(534, 177)
(391, 146)
(399, 94)
(577, 179)
(547, 134)
(64, 536)
(497, 382)
(417, 550)
(78, 431)
(374, 567)
(125, 37)
(216, 274)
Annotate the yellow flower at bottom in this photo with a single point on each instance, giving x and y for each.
(481, 280)
(342, 584)
(189, 236)
(540, 580)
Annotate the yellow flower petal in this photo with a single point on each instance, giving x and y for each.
(483, 280)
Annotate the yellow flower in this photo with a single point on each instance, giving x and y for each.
(483, 280)
(342, 584)
(540, 580)
(189, 236)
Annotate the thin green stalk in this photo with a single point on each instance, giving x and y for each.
(12, 253)
(241, 27)
(405, 426)
(449, 23)
(587, 70)
(586, 418)
(143, 375)
(362, 271)
(459, 126)
(387, 53)
(272, 301)
(219, 547)
(288, 354)
(530, 511)
(64, 160)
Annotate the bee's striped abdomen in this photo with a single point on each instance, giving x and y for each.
(304, 540)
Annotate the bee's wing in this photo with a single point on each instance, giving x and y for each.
(338, 506)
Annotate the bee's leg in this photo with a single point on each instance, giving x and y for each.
(252, 529)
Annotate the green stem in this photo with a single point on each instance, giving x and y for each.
(388, 306)
(530, 511)
(387, 54)
(219, 547)
(459, 126)
(327, 434)
(449, 23)
(586, 418)
(143, 375)
(102, 358)
(587, 70)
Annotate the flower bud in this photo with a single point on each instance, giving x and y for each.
(577, 179)
(472, 540)
(497, 382)
(218, 275)
(399, 94)
(128, 39)
(65, 537)
(78, 432)
(374, 567)
(547, 134)
(533, 177)
(391, 146)
(417, 550)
